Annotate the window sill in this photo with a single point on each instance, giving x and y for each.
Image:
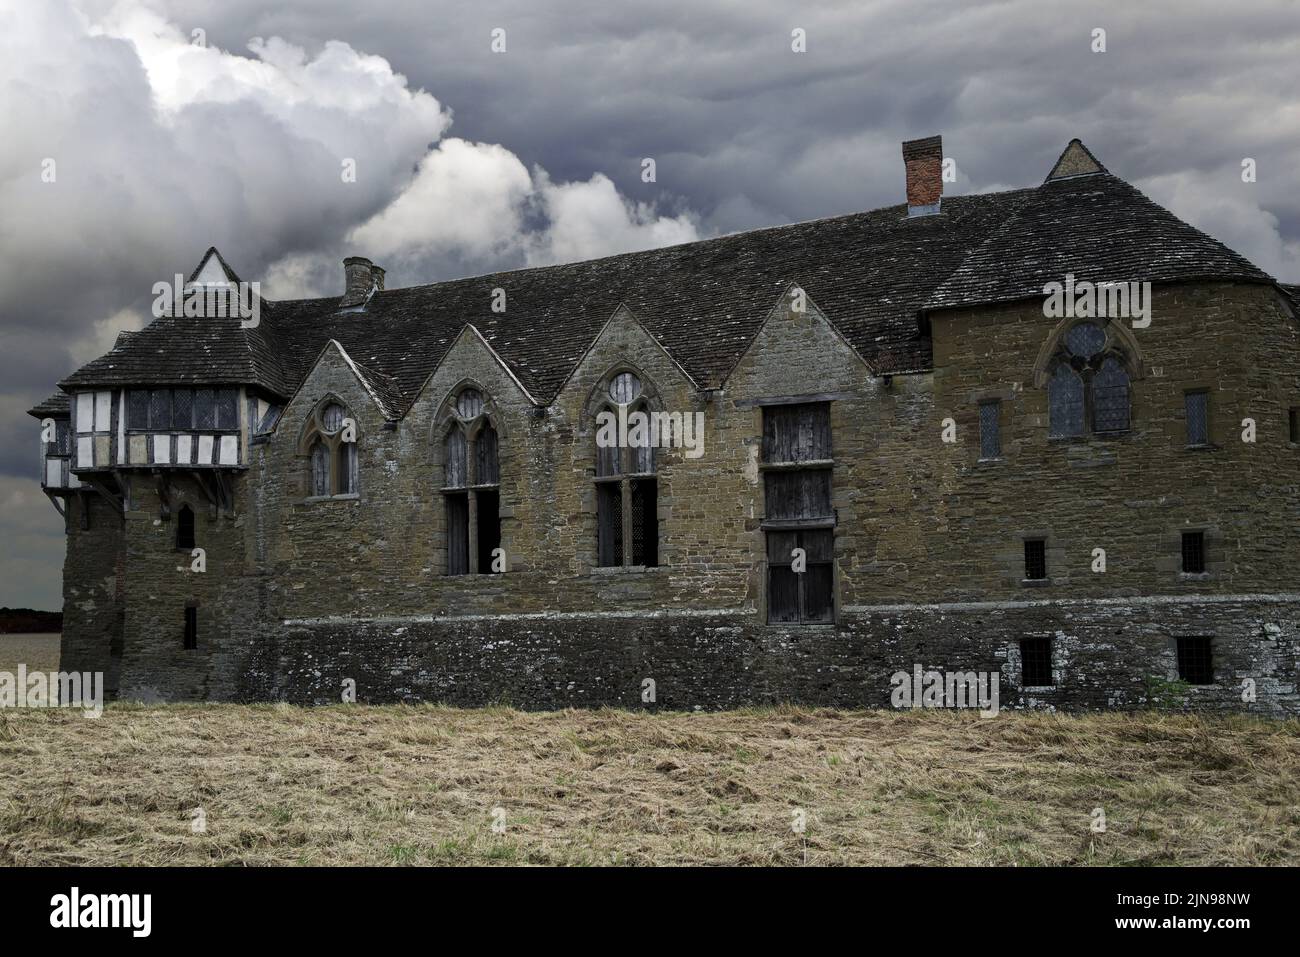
(1035, 582)
(318, 499)
(1201, 447)
(795, 466)
(623, 569)
(801, 625)
(993, 461)
(1195, 576)
(1037, 689)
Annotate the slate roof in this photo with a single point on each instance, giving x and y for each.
(873, 274)
(59, 404)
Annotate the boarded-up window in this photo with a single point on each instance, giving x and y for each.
(347, 468)
(799, 494)
(609, 521)
(455, 471)
(645, 522)
(457, 533)
(608, 453)
(485, 454)
(320, 469)
(797, 433)
(800, 587)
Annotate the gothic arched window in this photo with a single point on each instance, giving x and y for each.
(627, 523)
(472, 487)
(330, 439)
(1088, 389)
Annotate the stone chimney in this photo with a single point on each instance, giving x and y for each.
(361, 276)
(924, 162)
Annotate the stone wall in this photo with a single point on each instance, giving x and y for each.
(921, 524)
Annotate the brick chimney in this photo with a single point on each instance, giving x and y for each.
(360, 277)
(924, 162)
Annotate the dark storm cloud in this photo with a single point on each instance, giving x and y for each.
(163, 151)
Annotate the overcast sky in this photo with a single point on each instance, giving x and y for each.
(165, 140)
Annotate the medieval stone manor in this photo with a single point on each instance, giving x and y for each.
(903, 458)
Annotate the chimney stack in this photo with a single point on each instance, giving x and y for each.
(924, 162)
(361, 276)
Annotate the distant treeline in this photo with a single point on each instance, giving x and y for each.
(19, 620)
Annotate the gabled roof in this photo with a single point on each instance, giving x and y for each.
(872, 274)
(59, 404)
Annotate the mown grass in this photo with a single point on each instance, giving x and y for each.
(419, 785)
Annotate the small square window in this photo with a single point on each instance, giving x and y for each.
(1036, 662)
(1197, 405)
(990, 433)
(1193, 553)
(1196, 661)
(1035, 559)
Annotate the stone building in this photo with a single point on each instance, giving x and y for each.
(1049, 433)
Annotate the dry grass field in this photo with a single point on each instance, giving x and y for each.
(419, 785)
(40, 652)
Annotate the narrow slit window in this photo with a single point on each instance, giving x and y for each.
(185, 528)
(1035, 559)
(645, 523)
(1293, 424)
(458, 533)
(191, 627)
(1193, 553)
(1196, 660)
(1198, 417)
(990, 431)
(487, 503)
(1036, 662)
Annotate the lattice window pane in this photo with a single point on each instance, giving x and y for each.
(1085, 340)
(1065, 398)
(1036, 662)
(160, 409)
(62, 444)
(137, 409)
(645, 523)
(485, 454)
(1193, 549)
(456, 471)
(205, 409)
(227, 408)
(1197, 405)
(1035, 559)
(182, 408)
(990, 431)
(1110, 397)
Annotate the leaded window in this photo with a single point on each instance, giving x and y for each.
(1088, 389)
(471, 487)
(331, 441)
(627, 490)
(990, 430)
(1197, 407)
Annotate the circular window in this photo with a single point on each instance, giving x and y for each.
(1085, 340)
(469, 404)
(624, 388)
(331, 419)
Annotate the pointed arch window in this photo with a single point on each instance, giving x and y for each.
(1089, 387)
(472, 487)
(330, 440)
(627, 488)
(185, 528)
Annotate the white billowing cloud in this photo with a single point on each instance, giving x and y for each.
(1228, 209)
(591, 219)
